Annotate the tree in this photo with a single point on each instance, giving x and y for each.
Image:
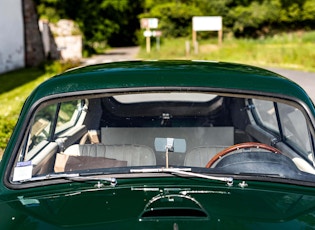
(174, 17)
(99, 20)
(117, 21)
(251, 19)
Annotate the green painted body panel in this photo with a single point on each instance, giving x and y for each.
(181, 74)
(82, 206)
(146, 203)
(170, 74)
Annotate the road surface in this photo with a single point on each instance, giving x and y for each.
(305, 79)
(113, 55)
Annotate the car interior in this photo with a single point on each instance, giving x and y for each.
(224, 132)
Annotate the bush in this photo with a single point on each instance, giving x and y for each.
(6, 127)
(18, 87)
(57, 67)
(175, 18)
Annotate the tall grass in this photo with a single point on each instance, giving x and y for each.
(292, 50)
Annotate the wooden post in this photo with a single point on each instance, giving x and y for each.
(196, 46)
(220, 37)
(148, 41)
(158, 43)
(187, 48)
(194, 37)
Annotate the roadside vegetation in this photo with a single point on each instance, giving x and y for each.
(287, 50)
(117, 23)
(17, 86)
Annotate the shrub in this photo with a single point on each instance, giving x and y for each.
(18, 87)
(174, 18)
(6, 127)
(57, 67)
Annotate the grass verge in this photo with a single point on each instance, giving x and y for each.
(17, 86)
(13, 97)
(293, 50)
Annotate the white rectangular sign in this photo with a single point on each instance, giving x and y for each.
(207, 23)
(150, 23)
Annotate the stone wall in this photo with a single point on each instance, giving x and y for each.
(68, 39)
(50, 47)
(70, 47)
(34, 50)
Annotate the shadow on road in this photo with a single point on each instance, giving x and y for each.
(114, 53)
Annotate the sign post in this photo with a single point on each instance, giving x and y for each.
(157, 34)
(147, 24)
(148, 40)
(207, 23)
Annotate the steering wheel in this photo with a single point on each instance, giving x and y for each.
(244, 145)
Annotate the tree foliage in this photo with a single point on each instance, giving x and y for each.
(99, 20)
(174, 17)
(117, 21)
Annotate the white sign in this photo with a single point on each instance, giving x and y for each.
(149, 23)
(207, 23)
(23, 171)
(153, 23)
(157, 33)
(147, 33)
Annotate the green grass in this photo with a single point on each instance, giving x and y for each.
(18, 85)
(15, 88)
(293, 50)
(19, 77)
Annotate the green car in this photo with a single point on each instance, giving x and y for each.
(162, 145)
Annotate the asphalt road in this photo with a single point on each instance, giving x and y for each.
(305, 79)
(114, 55)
